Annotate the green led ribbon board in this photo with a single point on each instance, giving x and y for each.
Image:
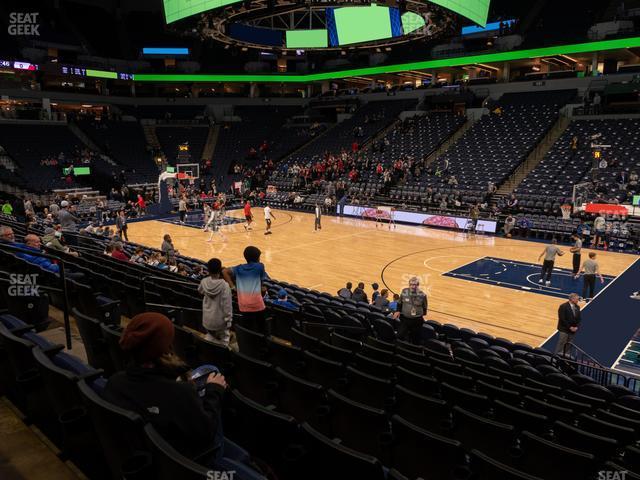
(177, 9)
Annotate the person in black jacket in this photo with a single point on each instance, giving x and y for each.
(155, 387)
(569, 317)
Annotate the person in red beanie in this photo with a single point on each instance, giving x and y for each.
(154, 386)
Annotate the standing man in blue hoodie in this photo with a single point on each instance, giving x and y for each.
(217, 311)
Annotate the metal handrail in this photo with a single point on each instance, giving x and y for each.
(61, 275)
(580, 355)
(585, 364)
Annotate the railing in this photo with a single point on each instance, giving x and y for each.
(61, 276)
(577, 360)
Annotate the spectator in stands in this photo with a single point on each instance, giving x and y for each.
(118, 252)
(7, 209)
(509, 223)
(189, 421)
(283, 301)
(7, 235)
(393, 304)
(622, 179)
(574, 146)
(65, 218)
(247, 280)
(359, 294)
(345, 292)
(217, 311)
(167, 248)
(138, 256)
(569, 317)
(597, 104)
(375, 294)
(524, 225)
(108, 250)
(28, 207)
(512, 203)
(382, 300)
(412, 307)
(53, 239)
(32, 242)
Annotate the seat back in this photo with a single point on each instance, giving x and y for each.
(322, 455)
(419, 453)
(120, 432)
(168, 464)
(94, 342)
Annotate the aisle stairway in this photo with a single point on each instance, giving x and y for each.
(535, 157)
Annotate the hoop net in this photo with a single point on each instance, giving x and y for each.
(566, 212)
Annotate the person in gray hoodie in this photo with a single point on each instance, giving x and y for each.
(217, 311)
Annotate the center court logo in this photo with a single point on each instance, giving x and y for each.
(21, 285)
(24, 24)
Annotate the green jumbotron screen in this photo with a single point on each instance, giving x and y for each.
(178, 9)
(475, 10)
(362, 24)
(78, 171)
(307, 39)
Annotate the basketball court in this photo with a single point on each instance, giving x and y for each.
(352, 249)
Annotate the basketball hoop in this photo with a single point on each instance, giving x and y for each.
(566, 212)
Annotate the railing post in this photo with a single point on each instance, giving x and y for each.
(65, 297)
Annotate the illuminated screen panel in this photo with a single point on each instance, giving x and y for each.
(475, 10)
(307, 39)
(77, 171)
(177, 9)
(411, 22)
(362, 24)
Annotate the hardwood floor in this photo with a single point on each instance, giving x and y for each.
(349, 249)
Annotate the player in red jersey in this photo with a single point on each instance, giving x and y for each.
(247, 215)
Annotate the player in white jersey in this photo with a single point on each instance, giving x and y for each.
(215, 221)
(267, 218)
(206, 212)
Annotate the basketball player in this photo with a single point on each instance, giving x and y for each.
(247, 215)
(182, 208)
(549, 254)
(267, 218)
(318, 218)
(206, 216)
(216, 220)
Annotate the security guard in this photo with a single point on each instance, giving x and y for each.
(412, 307)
